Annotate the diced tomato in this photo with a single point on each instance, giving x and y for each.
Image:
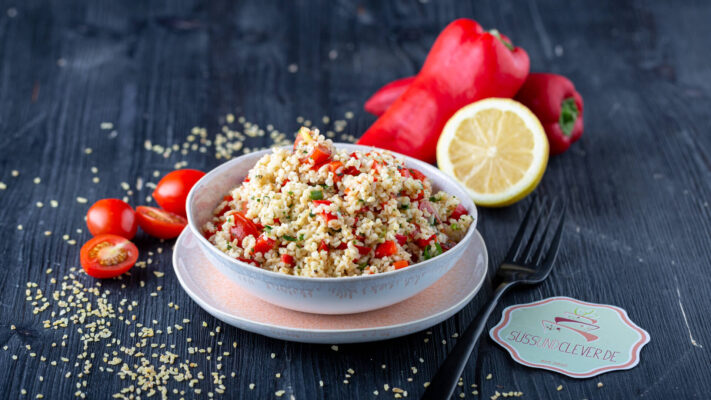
(328, 216)
(208, 233)
(425, 242)
(342, 246)
(334, 166)
(285, 182)
(419, 196)
(277, 221)
(405, 172)
(387, 248)
(375, 166)
(228, 198)
(302, 136)
(287, 259)
(320, 155)
(425, 205)
(354, 155)
(360, 237)
(264, 244)
(324, 202)
(363, 250)
(400, 264)
(417, 174)
(458, 212)
(401, 239)
(246, 180)
(351, 171)
(242, 228)
(248, 261)
(323, 246)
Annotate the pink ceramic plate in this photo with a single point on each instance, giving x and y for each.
(226, 301)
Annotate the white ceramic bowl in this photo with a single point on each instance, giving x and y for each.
(320, 295)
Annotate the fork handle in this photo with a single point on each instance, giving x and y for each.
(445, 380)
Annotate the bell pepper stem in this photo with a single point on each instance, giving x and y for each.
(568, 115)
(497, 35)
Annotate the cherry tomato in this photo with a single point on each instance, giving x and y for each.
(400, 264)
(107, 256)
(387, 248)
(112, 216)
(160, 223)
(242, 228)
(458, 212)
(264, 244)
(173, 189)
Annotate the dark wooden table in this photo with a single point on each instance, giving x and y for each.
(638, 183)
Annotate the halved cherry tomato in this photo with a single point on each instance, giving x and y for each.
(458, 212)
(242, 228)
(112, 216)
(264, 244)
(320, 155)
(287, 259)
(160, 223)
(107, 256)
(173, 189)
(400, 264)
(363, 250)
(387, 248)
(401, 239)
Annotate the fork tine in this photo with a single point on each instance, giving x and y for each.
(518, 239)
(555, 245)
(536, 258)
(526, 253)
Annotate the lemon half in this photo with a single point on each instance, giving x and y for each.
(496, 148)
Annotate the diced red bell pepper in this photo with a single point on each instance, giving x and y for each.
(401, 239)
(287, 259)
(242, 228)
(458, 212)
(400, 264)
(320, 202)
(387, 248)
(264, 244)
(363, 250)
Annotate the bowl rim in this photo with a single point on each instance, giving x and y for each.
(192, 223)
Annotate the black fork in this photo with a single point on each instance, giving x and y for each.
(528, 262)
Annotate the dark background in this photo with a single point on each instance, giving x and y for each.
(637, 183)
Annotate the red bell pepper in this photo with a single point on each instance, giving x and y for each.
(464, 65)
(552, 98)
(557, 105)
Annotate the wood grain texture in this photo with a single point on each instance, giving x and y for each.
(637, 183)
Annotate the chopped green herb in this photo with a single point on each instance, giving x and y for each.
(433, 253)
(290, 193)
(361, 200)
(404, 206)
(454, 227)
(289, 238)
(325, 186)
(312, 215)
(316, 195)
(433, 198)
(267, 228)
(229, 247)
(362, 266)
(301, 237)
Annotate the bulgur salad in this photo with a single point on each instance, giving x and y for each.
(318, 211)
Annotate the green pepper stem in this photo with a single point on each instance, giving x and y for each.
(568, 115)
(496, 34)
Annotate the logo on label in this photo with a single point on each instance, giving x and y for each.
(569, 336)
